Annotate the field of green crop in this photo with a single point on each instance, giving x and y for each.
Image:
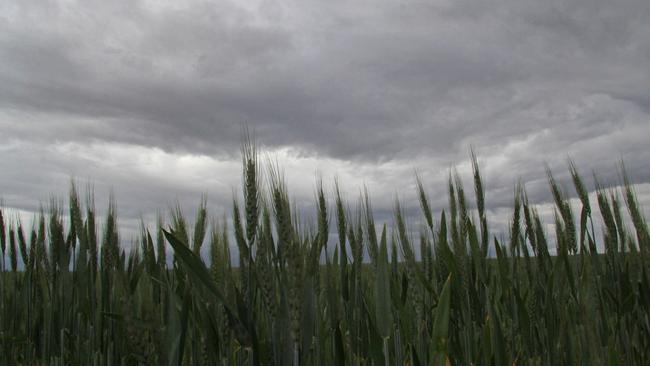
(369, 298)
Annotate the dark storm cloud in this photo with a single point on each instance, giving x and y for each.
(362, 83)
(314, 76)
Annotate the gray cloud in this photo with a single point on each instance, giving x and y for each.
(373, 88)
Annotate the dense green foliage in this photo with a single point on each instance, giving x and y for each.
(293, 299)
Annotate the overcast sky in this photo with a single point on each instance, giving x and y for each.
(148, 97)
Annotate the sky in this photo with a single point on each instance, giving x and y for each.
(147, 99)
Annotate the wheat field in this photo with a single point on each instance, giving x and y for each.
(378, 294)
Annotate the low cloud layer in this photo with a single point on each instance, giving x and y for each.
(148, 97)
